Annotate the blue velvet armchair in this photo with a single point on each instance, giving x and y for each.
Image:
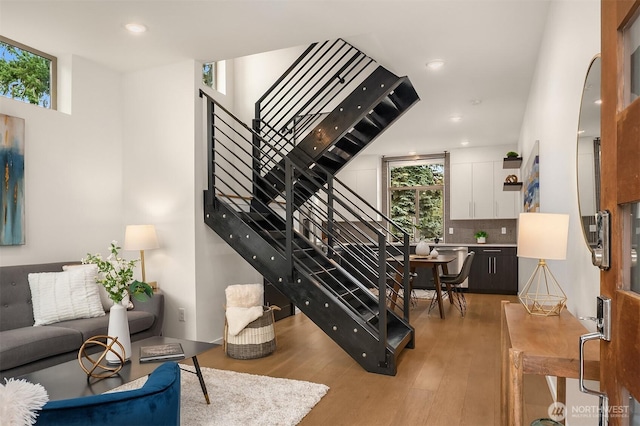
(156, 403)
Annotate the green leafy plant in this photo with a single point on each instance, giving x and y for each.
(512, 154)
(117, 275)
(480, 234)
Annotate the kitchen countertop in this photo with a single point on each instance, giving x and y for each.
(470, 245)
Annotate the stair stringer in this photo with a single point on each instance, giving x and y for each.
(352, 333)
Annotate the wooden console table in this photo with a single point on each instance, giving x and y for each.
(541, 345)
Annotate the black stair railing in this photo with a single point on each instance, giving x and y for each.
(334, 237)
(312, 86)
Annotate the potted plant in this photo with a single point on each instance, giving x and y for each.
(512, 160)
(116, 275)
(481, 237)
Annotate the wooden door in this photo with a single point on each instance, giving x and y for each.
(620, 358)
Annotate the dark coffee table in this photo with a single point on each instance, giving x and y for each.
(67, 380)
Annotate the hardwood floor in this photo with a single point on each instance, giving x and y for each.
(452, 377)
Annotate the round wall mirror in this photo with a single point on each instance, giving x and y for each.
(588, 158)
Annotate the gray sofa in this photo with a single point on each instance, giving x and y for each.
(25, 348)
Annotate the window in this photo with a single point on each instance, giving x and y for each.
(26, 74)
(415, 194)
(214, 75)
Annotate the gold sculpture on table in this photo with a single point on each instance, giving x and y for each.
(107, 370)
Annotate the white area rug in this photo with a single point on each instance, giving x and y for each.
(424, 294)
(242, 399)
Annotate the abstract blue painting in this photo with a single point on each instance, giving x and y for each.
(531, 190)
(12, 190)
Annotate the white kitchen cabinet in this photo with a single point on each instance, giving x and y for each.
(506, 203)
(476, 192)
(461, 191)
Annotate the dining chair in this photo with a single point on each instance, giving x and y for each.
(453, 283)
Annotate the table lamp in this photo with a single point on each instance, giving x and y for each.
(141, 237)
(543, 236)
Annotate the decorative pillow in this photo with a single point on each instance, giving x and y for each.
(104, 295)
(61, 296)
(20, 401)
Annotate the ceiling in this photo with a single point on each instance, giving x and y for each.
(490, 48)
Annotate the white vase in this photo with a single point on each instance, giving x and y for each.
(119, 327)
(423, 249)
(434, 253)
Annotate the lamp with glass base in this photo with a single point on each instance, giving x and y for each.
(543, 236)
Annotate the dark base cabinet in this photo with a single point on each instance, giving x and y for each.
(272, 296)
(494, 270)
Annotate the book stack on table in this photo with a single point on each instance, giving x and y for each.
(168, 351)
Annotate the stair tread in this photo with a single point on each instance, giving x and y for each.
(397, 332)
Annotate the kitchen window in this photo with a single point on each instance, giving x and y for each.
(414, 194)
(27, 74)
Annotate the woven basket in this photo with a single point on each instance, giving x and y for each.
(256, 340)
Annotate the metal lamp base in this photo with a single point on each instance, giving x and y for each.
(542, 295)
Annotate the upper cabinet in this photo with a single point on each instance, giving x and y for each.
(476, 185)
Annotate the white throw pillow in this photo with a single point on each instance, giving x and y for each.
(61, 296)
(106, 301)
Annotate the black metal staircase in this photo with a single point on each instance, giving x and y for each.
(273, 196)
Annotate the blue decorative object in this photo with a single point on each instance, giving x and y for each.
(156, 403)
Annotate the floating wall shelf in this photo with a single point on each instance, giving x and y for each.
(512, 163)
(517, 186)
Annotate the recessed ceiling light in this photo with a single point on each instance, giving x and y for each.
(412, 153)
(132, 27)
(476, 101)
(434, 65)
(455, 118)
(464, 142)
(598, 101)
(580, 132)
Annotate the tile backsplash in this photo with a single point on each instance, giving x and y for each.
(464, 230)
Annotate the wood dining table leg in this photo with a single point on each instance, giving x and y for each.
(436, 281)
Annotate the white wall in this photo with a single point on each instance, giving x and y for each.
(158, 169)
(164, 178)
(217, 263)
(73, 168)
(254, 75)
(571, 40)
(131, 151)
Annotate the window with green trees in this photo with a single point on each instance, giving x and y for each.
(416, 196)
(214, 75)
(26, 74)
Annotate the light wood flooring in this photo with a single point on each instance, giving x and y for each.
(452, 377)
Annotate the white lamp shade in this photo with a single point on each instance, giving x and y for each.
(543, 235)
(140, 237)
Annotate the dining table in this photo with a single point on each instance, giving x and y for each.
(436, 264)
